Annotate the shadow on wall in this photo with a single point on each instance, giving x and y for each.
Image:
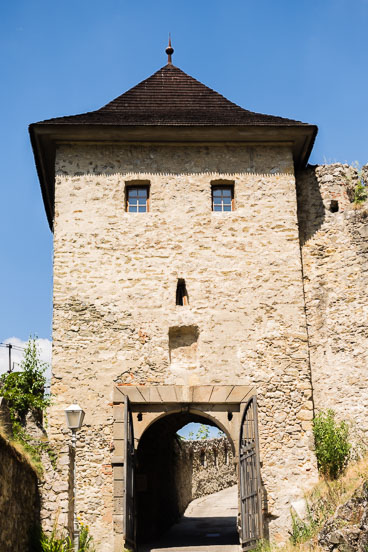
(19, 501)
(163, 480)
(183, 345)
(267, 516)
(311, 210)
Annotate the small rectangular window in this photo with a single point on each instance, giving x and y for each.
(137, 199)
(223, 198)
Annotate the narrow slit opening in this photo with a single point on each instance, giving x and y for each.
(181, 293)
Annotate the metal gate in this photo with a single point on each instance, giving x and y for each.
(129, 504)
(250, 478)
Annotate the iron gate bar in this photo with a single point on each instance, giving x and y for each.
(250, 478)
(129, 501)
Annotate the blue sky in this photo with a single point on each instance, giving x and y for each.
(303, 60)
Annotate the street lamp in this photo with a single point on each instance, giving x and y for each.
(74, 419)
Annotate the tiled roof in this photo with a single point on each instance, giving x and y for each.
(171, 97)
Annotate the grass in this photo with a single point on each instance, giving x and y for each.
(21, 451)
(265, 546)
(323, 500)
(334, 493)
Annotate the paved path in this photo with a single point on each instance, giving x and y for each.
(208, 525)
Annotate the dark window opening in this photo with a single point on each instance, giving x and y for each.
(334, 206)
(181, 293)
(137, 199)
(226, 454)
(202, 459)
(223, 197)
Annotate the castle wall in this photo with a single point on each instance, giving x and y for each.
(335, 265)
(19, 500)
(115, 276)
(212, 466)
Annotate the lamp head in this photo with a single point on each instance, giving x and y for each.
(74, 417)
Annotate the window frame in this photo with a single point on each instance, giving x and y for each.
(223, 186)
(137, 186)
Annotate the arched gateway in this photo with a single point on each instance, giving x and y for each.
(233, 409)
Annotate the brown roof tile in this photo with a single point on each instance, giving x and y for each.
(171, 97)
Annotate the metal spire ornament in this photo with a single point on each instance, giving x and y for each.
(169, 50)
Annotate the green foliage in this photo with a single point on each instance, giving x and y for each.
(302, 529)
(360, 190)
(85, 539)
(202, 433)
(331, 443)
(360, 193)
(263, 545)
(32, 447)
(24, 393)
(56, 542)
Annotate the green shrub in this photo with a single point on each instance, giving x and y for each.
(24, 392)
(360, 193)
(331, 443)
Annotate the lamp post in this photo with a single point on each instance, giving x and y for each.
(74, 419)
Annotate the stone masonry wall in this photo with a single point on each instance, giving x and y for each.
(212, 466)
(115, 277)
(19, 500)
(335, 265)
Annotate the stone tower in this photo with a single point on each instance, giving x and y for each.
(178, 284)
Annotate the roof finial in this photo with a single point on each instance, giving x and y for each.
(169, 50)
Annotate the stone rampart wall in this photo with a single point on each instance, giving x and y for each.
(334, 244)
(213, 467)
(19, 500)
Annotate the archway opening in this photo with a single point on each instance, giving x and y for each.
(173, 472)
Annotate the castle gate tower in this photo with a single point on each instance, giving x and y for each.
(178, 295)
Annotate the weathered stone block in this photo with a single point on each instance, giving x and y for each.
(119, 488)
(118, 520)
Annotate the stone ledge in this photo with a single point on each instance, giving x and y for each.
(117, 460)
(158, 394)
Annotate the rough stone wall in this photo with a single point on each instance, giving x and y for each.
(213, 466)
(19, 500)
(335, 265)
(115, 277)
(94, 499)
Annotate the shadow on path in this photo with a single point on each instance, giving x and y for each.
(209, 524)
